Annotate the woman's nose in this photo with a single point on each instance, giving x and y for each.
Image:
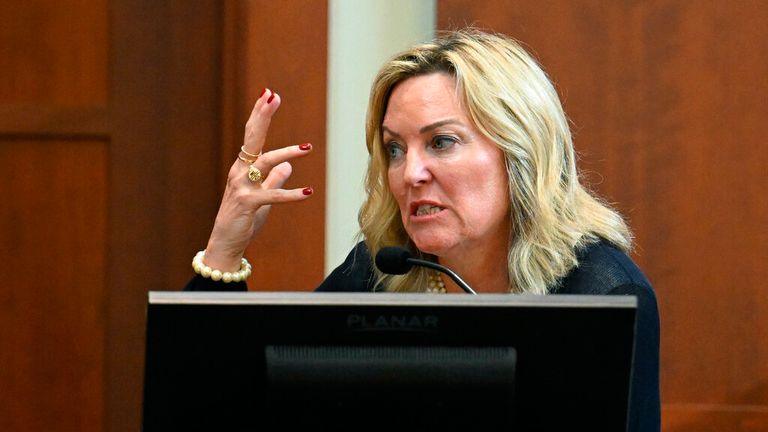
(417, 169)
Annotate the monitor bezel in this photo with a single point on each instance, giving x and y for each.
(222, 309)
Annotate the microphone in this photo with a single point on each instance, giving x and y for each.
(397, 260)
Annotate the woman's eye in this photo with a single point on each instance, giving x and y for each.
(442, 142)
(394, 151)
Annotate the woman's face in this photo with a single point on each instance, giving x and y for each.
(448, 179)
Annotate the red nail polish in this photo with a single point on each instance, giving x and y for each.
(305, 146)
(307, 191)
(262, 93)
(272, 96)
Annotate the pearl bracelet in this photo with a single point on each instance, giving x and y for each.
(217, 275)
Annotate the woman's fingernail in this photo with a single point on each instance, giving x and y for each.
(262, 92)
(272, 96)
(307, 191)
(305, 146)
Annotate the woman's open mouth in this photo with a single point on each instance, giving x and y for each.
(427, 209)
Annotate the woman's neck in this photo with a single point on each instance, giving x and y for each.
(484, 271)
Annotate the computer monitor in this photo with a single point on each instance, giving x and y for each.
(338, 361)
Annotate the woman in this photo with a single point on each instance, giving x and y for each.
(472, 166)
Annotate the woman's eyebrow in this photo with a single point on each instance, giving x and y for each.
(390, 131)
(437, 124)
(426, 128)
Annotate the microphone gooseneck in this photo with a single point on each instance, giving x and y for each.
(397, 260)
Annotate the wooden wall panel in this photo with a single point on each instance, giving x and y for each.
(118, 121)
(53, 158)
(281, 45)
(667, 104)
(53, 230)
(54, 52)
(184, 78)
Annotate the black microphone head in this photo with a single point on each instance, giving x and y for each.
(393, 260)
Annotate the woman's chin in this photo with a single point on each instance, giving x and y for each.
(432, 245)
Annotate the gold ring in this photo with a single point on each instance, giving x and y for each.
(254, 174)
(247, 161)
(250, 155)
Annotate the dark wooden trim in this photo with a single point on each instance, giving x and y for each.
(163, 188)
(231, 60)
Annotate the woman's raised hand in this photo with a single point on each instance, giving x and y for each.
(254, 183)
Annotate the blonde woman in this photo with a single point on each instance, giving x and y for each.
(472, 166)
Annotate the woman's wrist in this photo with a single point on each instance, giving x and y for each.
(220, 258)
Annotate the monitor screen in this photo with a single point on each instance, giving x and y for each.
(262, 361)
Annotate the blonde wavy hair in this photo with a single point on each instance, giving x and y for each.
(511, 101)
